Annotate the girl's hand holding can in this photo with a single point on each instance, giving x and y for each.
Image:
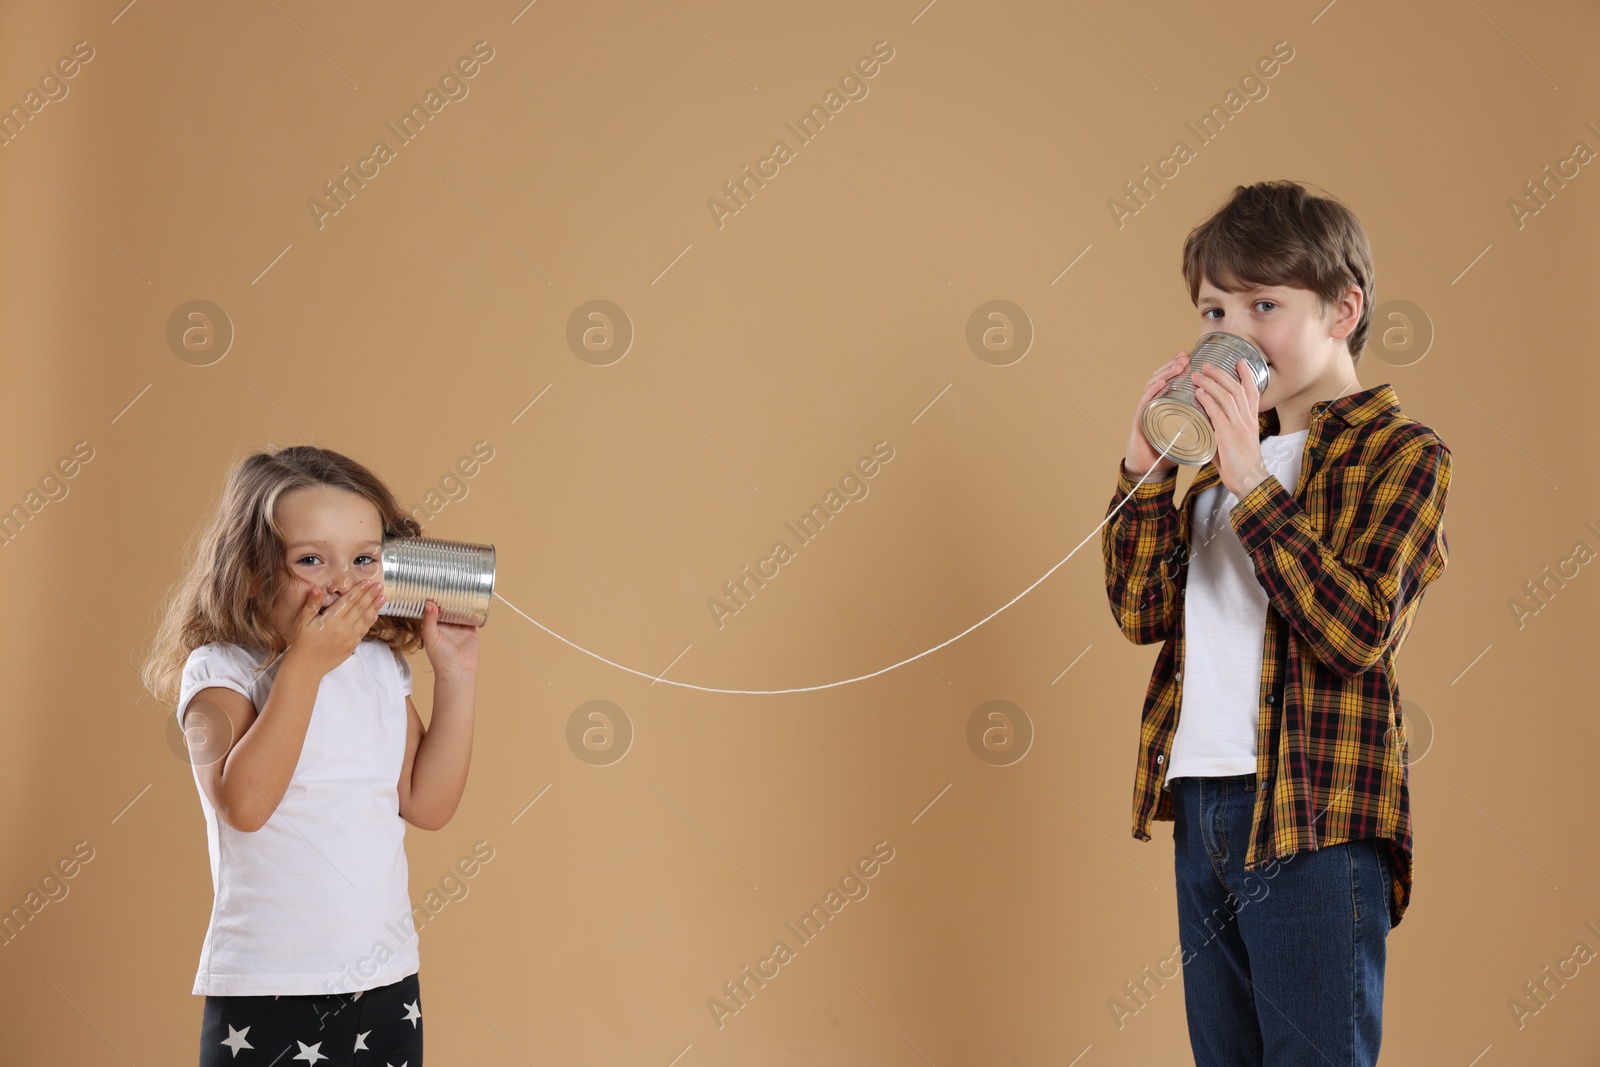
(451, 647)
(325, 639)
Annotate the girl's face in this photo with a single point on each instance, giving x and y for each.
(332, 540)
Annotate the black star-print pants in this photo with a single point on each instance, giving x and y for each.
(379, 1027)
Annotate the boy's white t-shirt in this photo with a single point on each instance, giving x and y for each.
(316, 901)
(1224, 628)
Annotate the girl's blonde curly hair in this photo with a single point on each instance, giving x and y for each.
(240, 548)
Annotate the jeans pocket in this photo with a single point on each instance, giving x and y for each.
(1386, 869)
(1378, 884)
(1356, 861)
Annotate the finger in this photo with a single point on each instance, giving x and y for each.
(1223, 381)
(1241, 371)
(356, 599)
(1162, 379)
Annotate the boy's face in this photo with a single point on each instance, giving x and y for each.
(1304, 344)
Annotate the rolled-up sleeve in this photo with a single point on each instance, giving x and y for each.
(1345, 604)
(1136, 543)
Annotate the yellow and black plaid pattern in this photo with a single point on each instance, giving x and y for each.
(1344, 560)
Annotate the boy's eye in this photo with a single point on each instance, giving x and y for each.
(1207, 312)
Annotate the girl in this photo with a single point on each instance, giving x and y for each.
(307, 752)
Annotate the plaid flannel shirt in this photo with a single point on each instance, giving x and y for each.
(1344, 561)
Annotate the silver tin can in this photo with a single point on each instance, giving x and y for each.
(458, 576)
(1177, 409)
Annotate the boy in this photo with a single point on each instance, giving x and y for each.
(1271, 733)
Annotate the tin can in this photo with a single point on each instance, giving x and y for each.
(457, 575)
(1176, 408)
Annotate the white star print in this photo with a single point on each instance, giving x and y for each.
(413, 1013)
(310, 1054)
(236, 1040)
(406, 1064)
(361, 1040)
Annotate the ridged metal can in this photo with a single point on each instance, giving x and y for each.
(1176, 408)
(457, 575)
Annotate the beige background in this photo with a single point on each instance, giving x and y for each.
(769, 355)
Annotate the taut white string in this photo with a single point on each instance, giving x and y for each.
(862, 677)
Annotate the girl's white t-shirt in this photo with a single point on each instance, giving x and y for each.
(316, 901)
(1224, 627)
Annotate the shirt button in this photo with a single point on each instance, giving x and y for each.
(1271, 698)
(1178, 677)
(1161, 759)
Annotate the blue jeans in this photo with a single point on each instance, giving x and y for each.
(1282, 965)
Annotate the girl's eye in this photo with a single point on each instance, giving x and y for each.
(370, 560)
(1268, 302)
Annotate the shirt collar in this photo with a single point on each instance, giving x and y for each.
(1352, 410)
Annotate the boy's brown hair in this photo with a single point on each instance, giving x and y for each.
(1277, 233)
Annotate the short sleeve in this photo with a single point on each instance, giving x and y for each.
(216, 665)
(405, 673)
